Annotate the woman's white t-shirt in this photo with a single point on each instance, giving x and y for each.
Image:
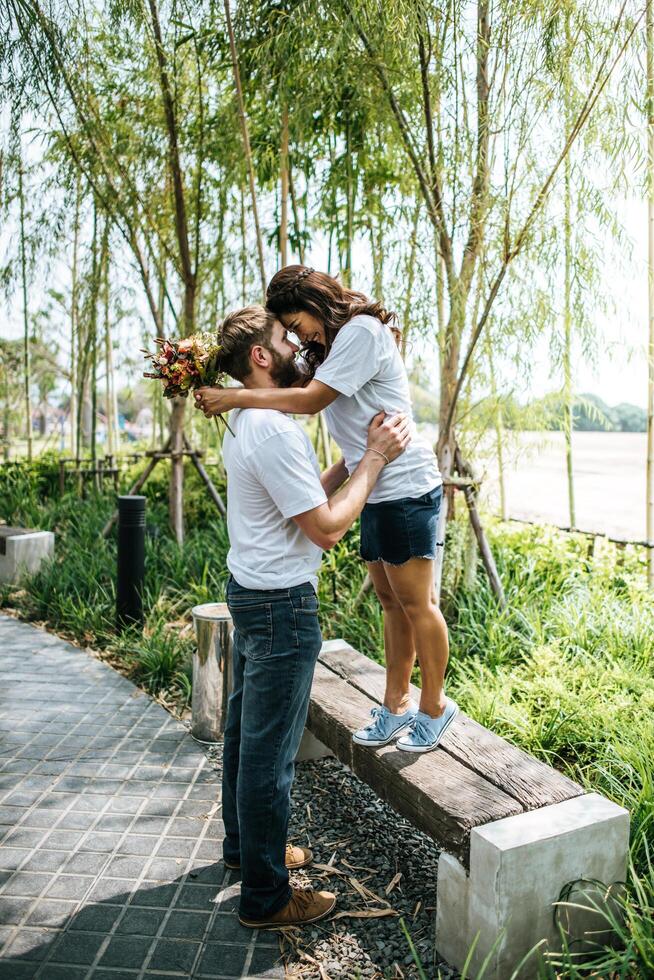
(365, 366)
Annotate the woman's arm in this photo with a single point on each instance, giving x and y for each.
(297, 401)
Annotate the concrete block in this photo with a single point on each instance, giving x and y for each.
(312, 749)
(24, 552)
(519, 868)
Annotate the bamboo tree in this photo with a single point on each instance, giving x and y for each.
(568, 397)
(26, 331)
(74, 312)
(246, 145)
(650, 291)
(284, 173)
(111, 403)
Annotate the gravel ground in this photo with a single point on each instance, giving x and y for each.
(375, 861)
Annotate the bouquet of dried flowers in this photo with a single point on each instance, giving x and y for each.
(183, 365)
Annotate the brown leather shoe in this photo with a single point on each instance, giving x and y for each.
(296, 857)
(302, 907)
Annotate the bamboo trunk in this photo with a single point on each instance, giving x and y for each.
(246, 145)
(498, 422)
(410, 277)
(176, 493)
(326, 445)
(283, 167)
(113, 432)
(296, 217)
(650, 293)
(349, 202)
(568, 423)
(72, 412)
(26, 330)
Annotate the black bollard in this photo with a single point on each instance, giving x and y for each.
(131, 561)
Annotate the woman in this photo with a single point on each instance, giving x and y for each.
(355, 371)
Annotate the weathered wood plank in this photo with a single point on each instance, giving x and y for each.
(531, 782)
(434, 791)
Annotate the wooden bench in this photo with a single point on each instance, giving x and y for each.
(514, 831)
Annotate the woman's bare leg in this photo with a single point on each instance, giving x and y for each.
(413, 587)
(399, 644)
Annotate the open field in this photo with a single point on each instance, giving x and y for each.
(609, 480)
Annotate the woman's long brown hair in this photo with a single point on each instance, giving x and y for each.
(298, 288)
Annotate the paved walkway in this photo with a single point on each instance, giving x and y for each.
(109, 830)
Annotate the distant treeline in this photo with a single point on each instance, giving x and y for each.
(591, 413)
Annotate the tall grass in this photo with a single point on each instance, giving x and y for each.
(566, 672)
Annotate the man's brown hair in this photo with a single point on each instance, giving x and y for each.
(239, 332)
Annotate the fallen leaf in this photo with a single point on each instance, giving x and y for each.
(328, 869)
(392, 883)
(417, 909)
(365, 914)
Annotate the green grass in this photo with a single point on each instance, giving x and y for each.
(566, 672)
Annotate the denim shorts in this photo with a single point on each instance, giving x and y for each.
(396, 530)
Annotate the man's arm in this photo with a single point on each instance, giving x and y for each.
(326, 524)
(334, 477)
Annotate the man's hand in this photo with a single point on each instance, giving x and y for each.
(215, 401)
(389, 435)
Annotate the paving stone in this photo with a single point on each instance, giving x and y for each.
(186, 925)
(23, 838)
(27, 883)
(32, 944)
(114, 974)
(196, 897)
(140, 922)
(62, 840)
(207, 874)
(265, 963)
(95, 918)
(219, 959)
(69, 886)
(86, 863)
(110, 889)
(181, 847)
(12, 857)
(67, 972)
(77, 947)
(151, 893)
(43, 860)
(138, 844)
(13, 909)
(51, 912)
(226, 928)
(74, 820)
(166, 869)
(100, 842)
(125, 952)
(126, 804)
(174, 954)
(126, 866)
(11, 969)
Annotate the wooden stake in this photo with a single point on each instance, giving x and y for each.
(213, 493)
(135, 488)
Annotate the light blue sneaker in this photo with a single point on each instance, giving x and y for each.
(426, 732)
(385, 726)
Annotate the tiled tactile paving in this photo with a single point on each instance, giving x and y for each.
(110, 830)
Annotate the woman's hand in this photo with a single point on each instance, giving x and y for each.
(216, 401)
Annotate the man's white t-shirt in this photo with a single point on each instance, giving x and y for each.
(272, 475)
(365, 366)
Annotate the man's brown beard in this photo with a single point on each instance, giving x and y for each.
(284, 370)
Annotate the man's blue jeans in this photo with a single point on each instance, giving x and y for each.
(276, 644)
